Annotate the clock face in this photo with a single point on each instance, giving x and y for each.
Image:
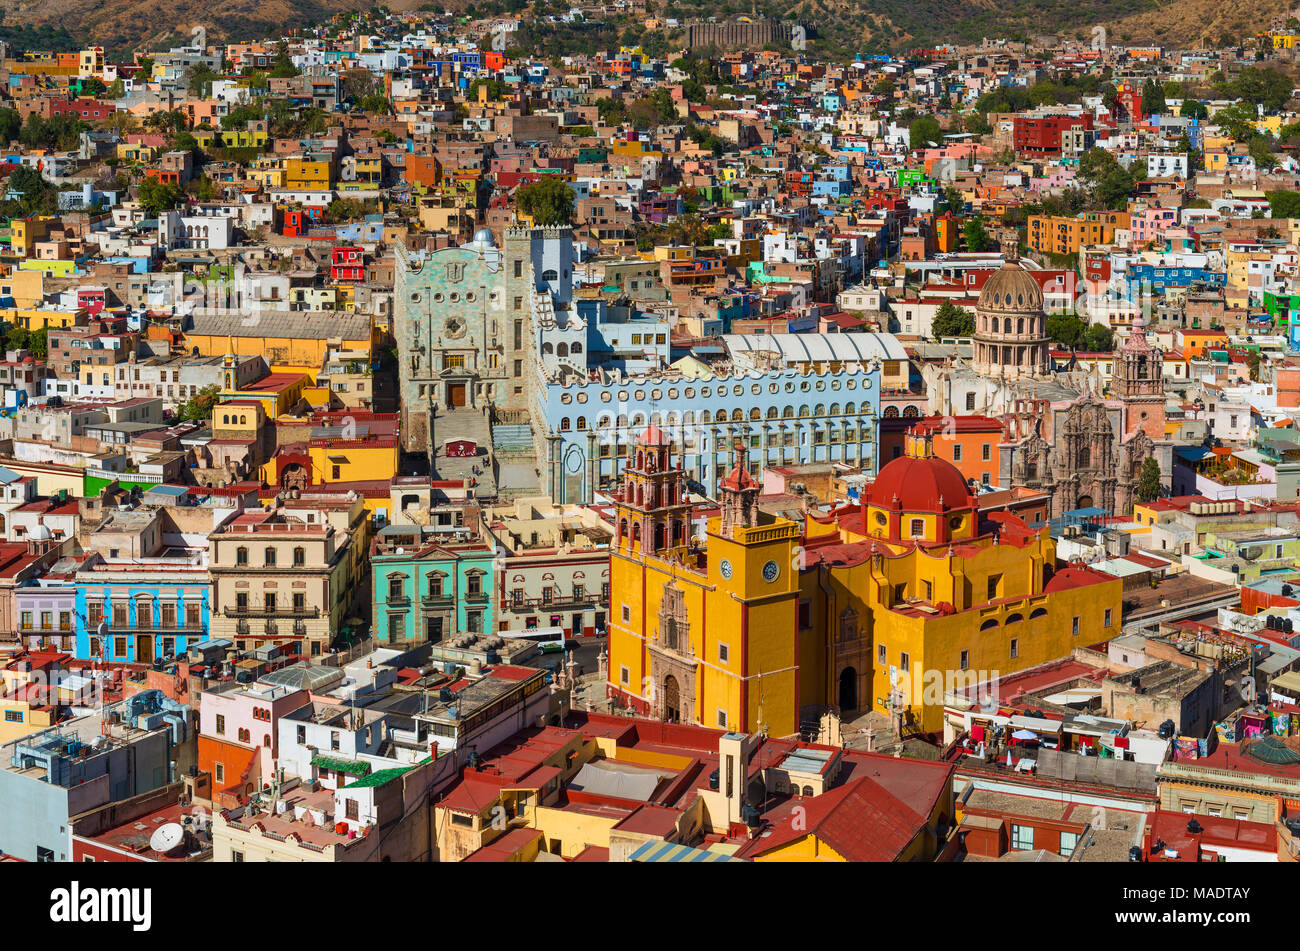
(725, 568)
(770, 571)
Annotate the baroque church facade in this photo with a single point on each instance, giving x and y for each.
(1063, 437)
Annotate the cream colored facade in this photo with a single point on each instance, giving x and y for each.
(292, 573)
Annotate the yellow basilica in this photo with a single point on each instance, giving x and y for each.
(886, 605)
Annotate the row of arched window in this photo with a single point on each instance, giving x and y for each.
(992, 622)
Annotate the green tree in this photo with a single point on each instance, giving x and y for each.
(1252, 362)
(282, 66)
(38, 344)
(1098, 338)
(1148, 487)
(977, 238)
(1284, 204)
(1193, 109)
(923, 131)
(156, 197)
(952, 321)
(1262, 86)
(198, 407)
(1153, 98)
(548, 202)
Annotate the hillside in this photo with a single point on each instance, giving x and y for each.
(842, 27)
(153, 24)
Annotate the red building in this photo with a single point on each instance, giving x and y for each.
(1041, 135)
(91, 110)
(348, 264)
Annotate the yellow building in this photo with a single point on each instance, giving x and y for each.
(290, 342)
(24, 233)
(1060, 234)
(886, 606)
(702, 636)
(302, 174)
(36, 318)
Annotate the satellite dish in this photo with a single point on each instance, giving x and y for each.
(167, 837)
(102, 630)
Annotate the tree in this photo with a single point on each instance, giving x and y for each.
(924, 131)
(1252, 361)
(199, 406)
(282, 66)
(548, 202)
(952, 321)
(1193, 109)
(977, 238)
(1284, 204)
(1112, 184)
(1153, 98)
(1098, 338)
(1262, 86)
(1148, 487)
(156, 197)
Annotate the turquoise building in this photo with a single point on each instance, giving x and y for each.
(431, 582)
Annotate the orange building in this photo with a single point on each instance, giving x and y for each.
(1058, 234)
(970, 443)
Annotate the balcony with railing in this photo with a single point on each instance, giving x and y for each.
(264, 611)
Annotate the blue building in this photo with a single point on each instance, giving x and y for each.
(139, 611)
(1160, 278)
(795, 398)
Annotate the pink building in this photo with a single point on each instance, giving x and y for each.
(248, 716)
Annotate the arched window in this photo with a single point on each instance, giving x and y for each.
(737, 416)
(564, 424)
(562, 350)
(1014, 619)
(550, 274)
(1037, 612)
(546, 348)
(706, 416)
(989, 624)
(756, 413)
(1006, 324)
(299, 557)
(580, 424)
(576, 348)
(891, 412)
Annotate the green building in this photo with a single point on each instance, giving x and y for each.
(431, 582)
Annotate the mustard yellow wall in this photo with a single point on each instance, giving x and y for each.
(809, 848)
(33, 720)
(574, 830)
(718, 610)
(282, 354)
(30, 319)
(364, 462)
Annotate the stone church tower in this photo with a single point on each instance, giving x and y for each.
(1138, 382)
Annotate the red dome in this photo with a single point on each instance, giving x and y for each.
(652, 436)
(920, 485)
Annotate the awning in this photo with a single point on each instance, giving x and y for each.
(1024, 735)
